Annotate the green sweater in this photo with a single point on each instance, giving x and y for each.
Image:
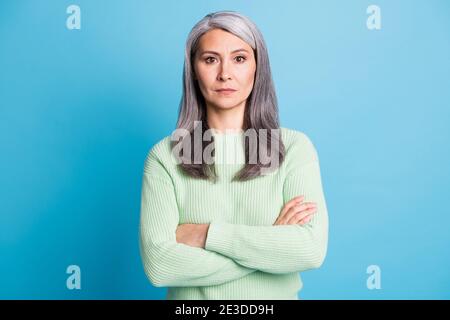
(245, 256)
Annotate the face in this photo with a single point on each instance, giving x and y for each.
(223, 61)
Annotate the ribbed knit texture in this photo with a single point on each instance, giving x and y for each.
(245, 256)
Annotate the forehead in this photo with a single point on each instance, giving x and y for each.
(221, 41)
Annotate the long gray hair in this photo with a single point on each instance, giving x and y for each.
(261, 109)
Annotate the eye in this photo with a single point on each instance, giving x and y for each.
(242, 59)
(209, 61)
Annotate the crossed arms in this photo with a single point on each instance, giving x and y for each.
(229, 251)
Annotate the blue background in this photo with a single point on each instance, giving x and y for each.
(79, 110)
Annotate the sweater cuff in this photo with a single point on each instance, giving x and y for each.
(220, 238)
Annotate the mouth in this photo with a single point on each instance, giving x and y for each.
(226, 91)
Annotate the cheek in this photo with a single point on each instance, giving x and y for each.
(205, 77)
(248, 77)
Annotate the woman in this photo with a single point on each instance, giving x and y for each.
(243, 229)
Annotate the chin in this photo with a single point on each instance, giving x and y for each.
(225, 104)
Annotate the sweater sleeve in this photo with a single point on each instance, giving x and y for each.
(280, 248)
(167, 262)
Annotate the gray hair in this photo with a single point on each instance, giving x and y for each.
(261, 110)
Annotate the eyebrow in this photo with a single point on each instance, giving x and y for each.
(214, 52)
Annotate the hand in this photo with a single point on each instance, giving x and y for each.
(193, 235)
(296, 212)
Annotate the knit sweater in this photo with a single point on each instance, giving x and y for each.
(245, 255)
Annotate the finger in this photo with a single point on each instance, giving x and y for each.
(305, 220)
(287, 207)
(296, 209)
(290, 204)
(292, 211)
(302, 215)
(301, 220)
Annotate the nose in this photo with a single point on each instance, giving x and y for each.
(224, 73)
(223, 77)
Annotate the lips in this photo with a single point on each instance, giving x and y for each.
(226, 90)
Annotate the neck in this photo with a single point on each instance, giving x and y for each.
(226, 120)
